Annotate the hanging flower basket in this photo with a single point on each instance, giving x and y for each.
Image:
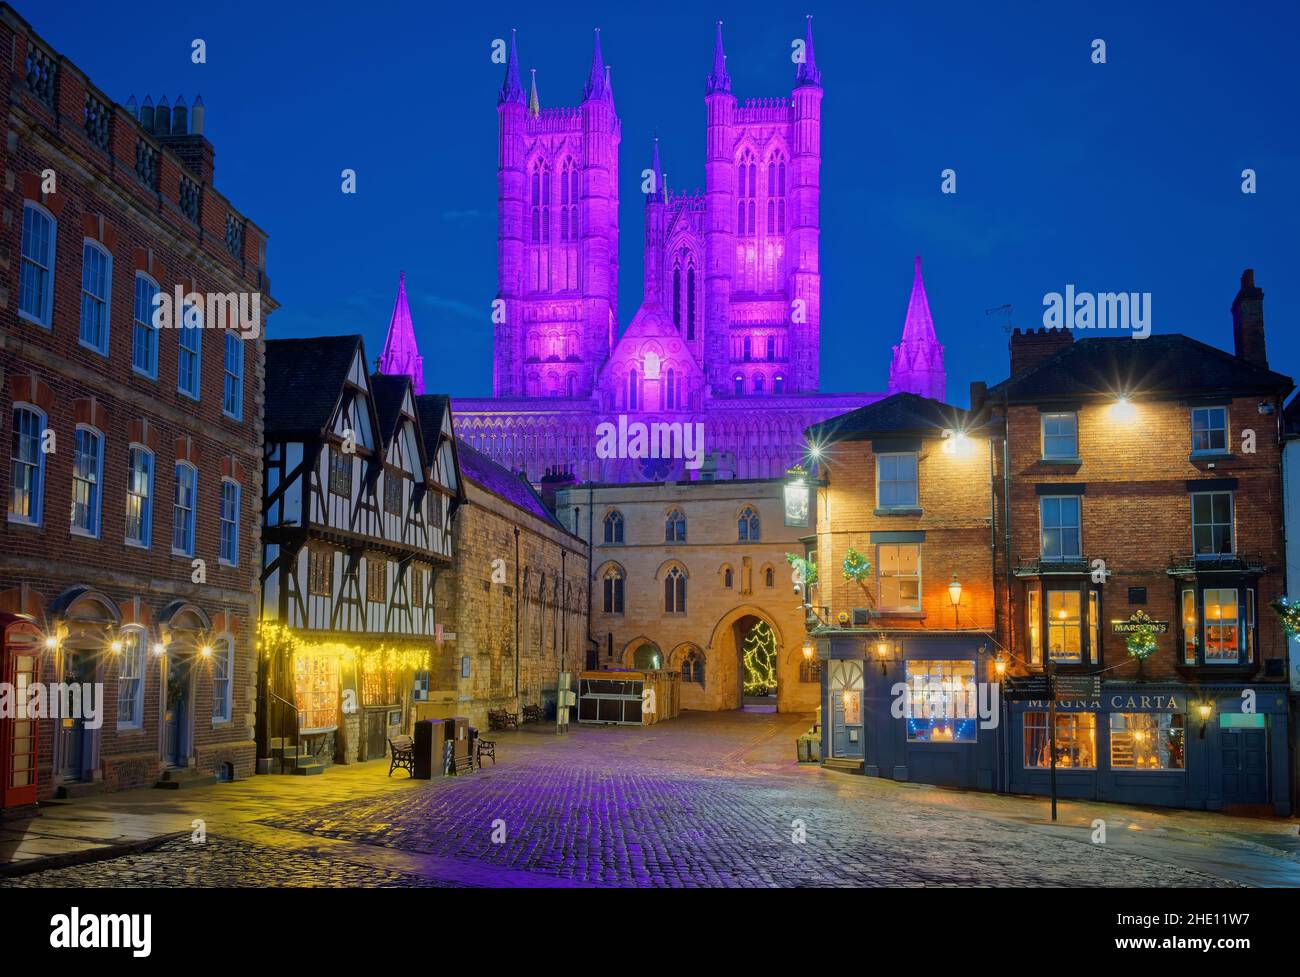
(804, 569)
(1141, 640)
(1288, 614)
(857, 567)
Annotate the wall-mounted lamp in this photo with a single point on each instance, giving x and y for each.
(1205, 709)
(808, 650)
(159, 648)
(882, 653)
(51, 643)
(206, 651)
(1123, 411)
(954, 590)
(1000, 667)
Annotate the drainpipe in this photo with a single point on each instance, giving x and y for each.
(1004, 761)
(516, 617)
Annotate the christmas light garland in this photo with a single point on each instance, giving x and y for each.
(1288, 614)
(1141, 640)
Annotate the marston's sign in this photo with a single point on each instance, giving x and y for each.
(1139, 620)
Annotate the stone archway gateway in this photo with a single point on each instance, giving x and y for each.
(744, 652)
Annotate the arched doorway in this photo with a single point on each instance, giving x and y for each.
(758, 662)
(647, 656)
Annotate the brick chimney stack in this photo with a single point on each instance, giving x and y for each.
(179, 130)
(557, 477)
(1031, 346)
(1248, 322)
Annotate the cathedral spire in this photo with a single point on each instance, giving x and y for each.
(807, 74)
(511, 89)
(918, 360)
(596, 86)
(657, 194)
(534, 104)
(719, 80)
(401, 355)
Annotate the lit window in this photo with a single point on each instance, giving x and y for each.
(1034, 628)
(96, 284)
(1064, 626)
(36, 279)
(144, 337)
(896, 481)
(340, 473)
(1212, 523)
(223, 666)
(1060, 436)
(1076, 740)
(320, 571)
(232, 397)
(942, 704)
(87, 473)
(1209, 430)
(229, 522)
(1061, 532)
(26, 466)
(1146, 741)
(139, 495)
(130, 679)
(376, 580)
(1190, 630)
(900, 576)
(187, 477)
(1222, 626)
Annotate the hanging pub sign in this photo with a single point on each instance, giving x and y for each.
(1139, 620)
(798, 497)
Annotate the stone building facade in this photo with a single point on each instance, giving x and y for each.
(514, 602)
(685, 576)
(132, 530)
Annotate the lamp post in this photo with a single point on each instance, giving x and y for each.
(1206, 709)
(954, 594)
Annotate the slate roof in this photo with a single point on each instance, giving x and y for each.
(1163, 364)
(304, 378)
(388, 391)
(902, 413)
(487, 474)
(431, 408)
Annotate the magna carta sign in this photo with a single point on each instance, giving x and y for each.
(1139, 620)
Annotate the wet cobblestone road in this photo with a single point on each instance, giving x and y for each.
(705, 800)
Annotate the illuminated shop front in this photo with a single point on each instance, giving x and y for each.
(1213, 747)
(911, 706)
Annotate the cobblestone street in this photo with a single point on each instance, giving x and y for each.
(705, 800)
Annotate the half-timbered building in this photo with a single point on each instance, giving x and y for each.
(357, 521)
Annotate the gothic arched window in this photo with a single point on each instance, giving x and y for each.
(769, 577)
(693, 667)
(749, 349)
(758, 384)
(778, 384)
(748, 525)
(677, 295)
(675, 591)
(631, 390)
(675, 527)
(613, 526)
(670, 390)
(613, 587)
(740, 384)
(690, 299)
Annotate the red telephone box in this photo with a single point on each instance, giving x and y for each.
(20, 663)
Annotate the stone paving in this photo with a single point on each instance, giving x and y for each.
(703, 800)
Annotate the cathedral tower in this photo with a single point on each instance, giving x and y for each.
(557, 236)
(917, 366)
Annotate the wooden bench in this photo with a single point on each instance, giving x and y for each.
(487, 748)
(403, 750)
(500, 719)
(532, 714)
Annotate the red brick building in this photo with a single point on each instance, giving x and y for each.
(1140, 507)
(132, 532)
(903, 594)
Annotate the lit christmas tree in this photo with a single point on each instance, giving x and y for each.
(759, 652)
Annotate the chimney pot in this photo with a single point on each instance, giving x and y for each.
(1031, 346)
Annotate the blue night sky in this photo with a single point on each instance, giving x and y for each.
(1123, 176)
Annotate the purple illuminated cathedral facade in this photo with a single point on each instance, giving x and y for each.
(727, 335)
